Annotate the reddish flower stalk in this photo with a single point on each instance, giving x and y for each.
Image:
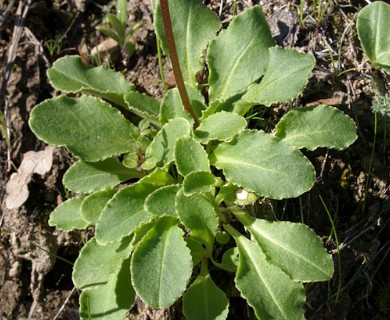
(166, 17)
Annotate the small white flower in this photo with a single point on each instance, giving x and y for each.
(242, 194)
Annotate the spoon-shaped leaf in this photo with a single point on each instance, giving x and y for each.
(161, 264)
(87, 177)
(70, 74)
(190, 156)
(211, 301)
(198, 214)
(286, 75)
(271, 292)
(293, 247)
(96, 263)
(219, 126)
(314, 127)
(94, 204)
(88, 127)
(125, 211)
(109, 301)
(239, 55)
(67, 216)
(264, 164)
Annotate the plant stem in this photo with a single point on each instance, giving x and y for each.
(160, 65)
(369, 175)
(336, 238)
(166, 17)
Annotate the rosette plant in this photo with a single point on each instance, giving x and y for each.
(165, 187)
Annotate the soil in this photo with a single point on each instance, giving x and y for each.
(36, 284)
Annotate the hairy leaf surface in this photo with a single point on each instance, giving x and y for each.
(315, 127)
(239, 55)
(88, 127)
(172, 106)
(161, 264)
(70, 74)
(67, 216)
(96, 263)
(87, 177)
(286, 75)
(162, 201)
(293, 247)
(271, 292)
(197, 213)
(198, 182)
(144, 106)
(219, 126)
(109, 301)
(191, 36)
(190, 156)
(264, 164)
(161, 150)
(93, 205)
(125, 211)
(211, 301)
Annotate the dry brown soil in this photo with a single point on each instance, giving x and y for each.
(34, 284)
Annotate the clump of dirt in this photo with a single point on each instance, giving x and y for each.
(36, 284)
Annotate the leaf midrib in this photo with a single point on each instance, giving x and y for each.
(270, 239)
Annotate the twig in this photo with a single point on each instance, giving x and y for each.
(64, 304)
(21, 14)
(4, 16)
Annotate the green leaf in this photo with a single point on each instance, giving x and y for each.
(88, 127)
(239, 55)
(197, 250)
(198, 182)
(271, 293)
(125, 211)
(87, 177)
(204, 300)
(119, 26)
(70, 74)
(265, 165)
(293, 247)
(161, 264)
(96, 263)
(191, 36)
(67, 216)
(144, 106)
(108, 33)
(172, 106)
(372, 27)
(162, 201)
(197, 213)
(109, 301)
(315, 127)
(286, 75)
(158, 178)
(220, 126)
(230, 260)
(161, 150)
(94, 204)
(190, 156)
